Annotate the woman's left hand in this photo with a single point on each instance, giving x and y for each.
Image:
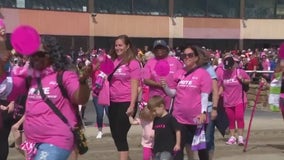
(176, 148)
(201, 118)
(87, 71)
(130, 111)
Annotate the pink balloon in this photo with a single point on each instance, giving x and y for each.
(162, 68)
(25, 40)
(107, 66)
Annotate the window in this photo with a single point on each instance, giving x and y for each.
(20, 3)
(259, 9)
(143, 7)
(113, 6)
(8, 3)
(280, 9)
(70, 5)
(194, 8)
(151, 7)
(224, 8)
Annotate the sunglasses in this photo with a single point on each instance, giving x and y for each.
(187, 55)
(40, 54)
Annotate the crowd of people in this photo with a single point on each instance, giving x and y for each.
(176, 93)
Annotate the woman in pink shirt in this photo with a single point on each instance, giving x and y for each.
(193, 86)
(123, 92)
(47, 136)
(265, 65)
(230, 79)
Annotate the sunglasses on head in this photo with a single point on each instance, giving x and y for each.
(39, 54)
(187, 55)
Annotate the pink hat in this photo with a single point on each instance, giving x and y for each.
(281, 51)
(2, 24)
(25, 40)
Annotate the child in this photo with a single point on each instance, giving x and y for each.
(167, 130)
(146, 121)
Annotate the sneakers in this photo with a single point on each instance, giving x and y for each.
(232, 140)
(241, 141)
(99, 135)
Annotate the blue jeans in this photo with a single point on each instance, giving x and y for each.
(163, 156)
(100, 112)
(210, 130)
(47, 151)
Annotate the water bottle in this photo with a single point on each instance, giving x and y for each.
(100, 79)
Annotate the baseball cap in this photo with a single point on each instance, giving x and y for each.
(160, 43)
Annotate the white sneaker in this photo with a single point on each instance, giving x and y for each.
(241, 141)
(100, 135)
(232, 140)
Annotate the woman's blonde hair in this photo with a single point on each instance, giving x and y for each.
(204, 57)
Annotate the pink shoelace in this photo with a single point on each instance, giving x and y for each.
(30, 148)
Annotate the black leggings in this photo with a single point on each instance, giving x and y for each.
(8, 121)
(119, 124)
(187, 133)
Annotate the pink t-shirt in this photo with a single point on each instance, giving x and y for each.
(150, 73)
(232, 93)
(187, 104)
(120, 84)
(41, 123)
